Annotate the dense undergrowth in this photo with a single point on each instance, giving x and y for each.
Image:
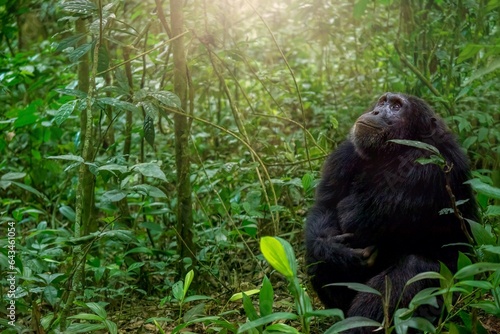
(89, 223)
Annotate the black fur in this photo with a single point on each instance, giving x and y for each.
(377, 210)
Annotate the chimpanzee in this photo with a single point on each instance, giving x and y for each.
(379, 213)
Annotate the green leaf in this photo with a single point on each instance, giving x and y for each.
(239, 295)
(103, 60)
(112, 168)
(149, 130)
(169, 99)
(68, 212)
(149, 190)
(69, 157)
(266, 298)
(123, 105)
(188, 280)
(331, 312)
(468, 51)
(178, 291)
(50, 294)
(97, 309)
(484, 188)
(275, 254)
(113, 195)
(281, 328)
(65, 111)
(267, 319)
(149, 169)
(86, 316)
(307, 181)
(492, 211)
(481, 72)
(72, 92)
(111, 326)
(425, 275)
(82, 7)
(352, 322)
(421, 324)
(12, 176)
(488, 306)
(481, 234)
(476, 284)
(475, 269)
(196, 297)
(29, 189)
(416, 144)
(135, 265)
(358, 287)
(69, 42)
(249, 308)
(77, 53)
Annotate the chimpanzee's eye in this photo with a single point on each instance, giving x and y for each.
(396, 106)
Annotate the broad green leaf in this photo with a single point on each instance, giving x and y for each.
(281, 328)
(149, 169)
(149, 190)
(484, 188)
(417, 144)
(135, 265)
(421, 324)
(112, 168)
(477, 284)
(124, 105)
(29, 189)
(72, 92)
(82, 7)
(149, 130)
(331, 312)
(103, 60)
(468, 51)
(249, 308)
(352, 322)
(267, 319)
(68, 212)
(266, 297)
(274, 253)
(475, 269)
(178, 290)
(113, 195)
(481, 234)
(111, 326)
(425, 275)
(307, 181)
(12, 176)
(488, 306)
(239, 295)
(481, 72)
(65, 111)
(69, 42)
(358, 287)
(50, 294)
(196, 297)
(188, 280)
(69, 157)
(97, 309)
(492, 211)
(86, 316)
(425, 297)
(76, 54)
(167, 98)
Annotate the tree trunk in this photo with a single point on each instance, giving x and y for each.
(185, 245)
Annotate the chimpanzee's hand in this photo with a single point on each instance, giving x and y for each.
(367, 255)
